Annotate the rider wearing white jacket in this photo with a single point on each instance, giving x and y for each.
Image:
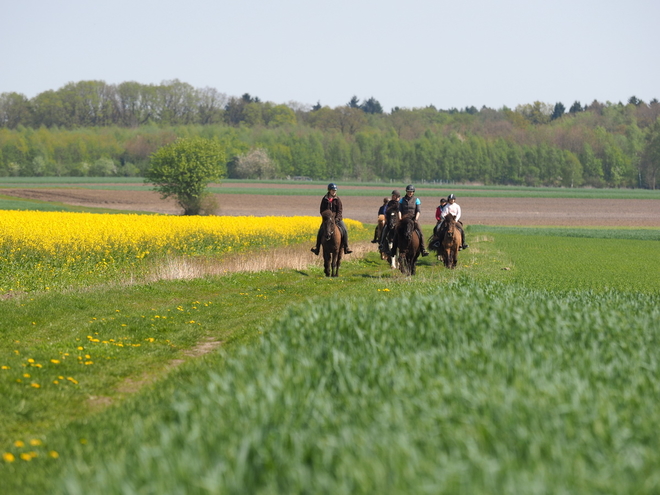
(453, 208)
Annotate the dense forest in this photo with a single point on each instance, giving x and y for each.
(91, 128)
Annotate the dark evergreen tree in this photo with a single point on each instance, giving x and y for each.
(558, 111)
(372, 105)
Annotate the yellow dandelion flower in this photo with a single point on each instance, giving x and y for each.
(25, 456)
(80, 348)
(6, 367)
(26, 375)
(35, 442)
(55, 361)
(35, 385)
(8, 457)
(72, 380)
(53, 454)
(56, 382)
(89, 362)
(19, 444)
(30, 360)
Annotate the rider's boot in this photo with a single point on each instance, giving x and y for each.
(315, 250)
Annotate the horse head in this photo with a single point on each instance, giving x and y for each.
(391, 218)
(328, 224)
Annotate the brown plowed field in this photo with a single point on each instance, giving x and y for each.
(486, 211)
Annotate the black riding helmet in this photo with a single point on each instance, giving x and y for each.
(410, 187)
(451, 196)
(332, 186)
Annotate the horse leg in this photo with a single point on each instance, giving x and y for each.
(326, 262)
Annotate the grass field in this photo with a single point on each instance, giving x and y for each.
(531, 368)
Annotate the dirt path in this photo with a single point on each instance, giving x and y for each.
(485, 211)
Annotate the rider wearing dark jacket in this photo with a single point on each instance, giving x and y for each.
(332, 202)
(409, 206)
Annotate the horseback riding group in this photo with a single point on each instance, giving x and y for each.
(398, 233)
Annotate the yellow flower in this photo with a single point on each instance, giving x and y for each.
(72, 380)
(30, 360)
(35, 385)
(26, 457)
(19, 444)
(80, 348)
(7, 457)
(55, 361)
(6, 367)
(26, 375)
(53, 454)
(35, 441)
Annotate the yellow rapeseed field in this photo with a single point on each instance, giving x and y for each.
(43, 243)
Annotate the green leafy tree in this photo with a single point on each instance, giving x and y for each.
(184, 169)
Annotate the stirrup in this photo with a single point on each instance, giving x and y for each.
(347, 251)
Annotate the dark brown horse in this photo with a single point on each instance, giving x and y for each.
(408, 245)
(391, 220)
(450, 242)
(331, 243)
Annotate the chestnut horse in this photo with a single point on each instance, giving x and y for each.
(408, 245)
(331, 243)
(450, 242)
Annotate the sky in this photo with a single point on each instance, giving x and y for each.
(403, 53)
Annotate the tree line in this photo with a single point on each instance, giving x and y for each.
(96, 129)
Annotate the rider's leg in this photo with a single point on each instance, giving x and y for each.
(464, 245)
(317, 248)
(383, 236)
(421, 239)
(344, 236)
(375, 240)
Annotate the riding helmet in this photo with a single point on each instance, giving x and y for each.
(451, 196)
(332, 186)
(410, 187)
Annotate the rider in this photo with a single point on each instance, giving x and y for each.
(409, 206)
(438, 215)
(332, 202)
(392, 204)
(453, 208)
(381, 211)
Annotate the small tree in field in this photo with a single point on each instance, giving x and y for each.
(184, 169)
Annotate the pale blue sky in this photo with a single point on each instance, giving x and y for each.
(408, 53)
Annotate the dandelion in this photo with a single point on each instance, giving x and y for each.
(8, 457)
(55, 361)
(19, 444)
(35, 442)
(53, 454)
(80, 348)
(26, 456)
(35, 385)
(5, 367)
(72, 380)
(26, 375)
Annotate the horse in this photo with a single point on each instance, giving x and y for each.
(408, 245)
(451, 241)
(391, 220)
(331, 243)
